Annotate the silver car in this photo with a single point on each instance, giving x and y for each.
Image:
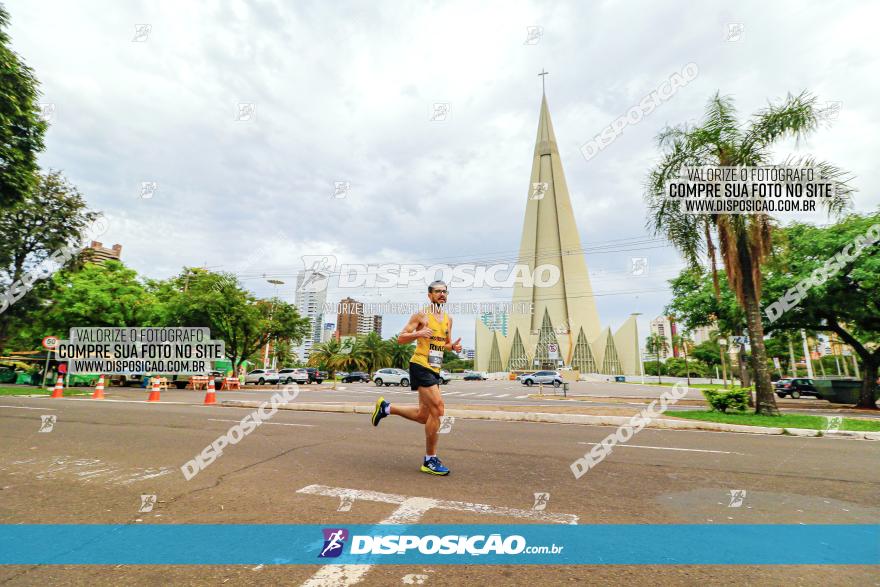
(553, 378)
(390, 376)
(288, 376)
(261, 376)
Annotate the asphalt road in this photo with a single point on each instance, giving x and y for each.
(100, 457)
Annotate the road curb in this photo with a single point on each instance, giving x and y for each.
(663, 424)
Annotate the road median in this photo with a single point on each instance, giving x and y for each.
(557, 418)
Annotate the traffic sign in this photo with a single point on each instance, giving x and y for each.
(50, 343)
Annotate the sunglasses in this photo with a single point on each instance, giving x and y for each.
(439, 291)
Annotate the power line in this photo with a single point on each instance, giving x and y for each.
(476, 261)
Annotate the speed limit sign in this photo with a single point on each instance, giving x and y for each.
(50, 343)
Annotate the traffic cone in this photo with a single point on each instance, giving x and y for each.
(154, 394)
(99, 389)
(59, 387)
(210, 396)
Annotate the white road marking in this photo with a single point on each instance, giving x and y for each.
(464, 394)
(485, 394)
(148, 474)
(85, 470)
(503, 395)
(410, 510)
(461, 506)
(723, 452)
(521, 396)
(451, 392)
(27, 408)
(269, 423)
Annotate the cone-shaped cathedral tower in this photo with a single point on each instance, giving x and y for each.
(565, 319)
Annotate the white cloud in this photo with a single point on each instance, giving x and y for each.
(343, 93)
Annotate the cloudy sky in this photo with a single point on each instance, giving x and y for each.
(344, 92)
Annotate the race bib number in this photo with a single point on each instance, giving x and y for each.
(435, 358)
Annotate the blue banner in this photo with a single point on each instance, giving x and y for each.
(518, 544)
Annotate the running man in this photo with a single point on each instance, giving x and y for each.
(432, 331)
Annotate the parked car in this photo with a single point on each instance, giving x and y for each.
(356, 376)
(546, 377)
(474, 376)
(391, 376)
(445, 377)
(315, 376)
(292, 375)
(261, 376)
(798, 387)
(780, 383)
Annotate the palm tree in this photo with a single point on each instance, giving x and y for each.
(682, 341)
(328, 354)
(744, 240)
(400, 354)
(656, 344)
(375, 351)
(354, 357)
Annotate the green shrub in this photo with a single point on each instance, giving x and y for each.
(721, 401)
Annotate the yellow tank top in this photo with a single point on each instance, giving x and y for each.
(429, 351)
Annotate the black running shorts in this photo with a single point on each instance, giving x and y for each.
(422, 377)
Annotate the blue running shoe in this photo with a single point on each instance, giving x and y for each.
(434, 467)
(379, 410)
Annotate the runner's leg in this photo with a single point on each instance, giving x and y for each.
(430, 398)
(416, 414)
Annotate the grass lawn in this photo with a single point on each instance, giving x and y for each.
(694, 385)
(784, 421)
(31, 390)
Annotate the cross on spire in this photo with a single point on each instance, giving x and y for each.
(541, 75)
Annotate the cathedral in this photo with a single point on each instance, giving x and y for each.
(564, 330)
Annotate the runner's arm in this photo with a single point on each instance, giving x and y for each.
(452, 346)
(411, 331)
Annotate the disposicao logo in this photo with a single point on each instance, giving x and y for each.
(334, 540)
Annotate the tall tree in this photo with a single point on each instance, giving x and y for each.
(201, 298)
(39, 235)
(744, 240)
(21, 125)
(375, 351)
(683, 341)
(845, 303)
(106, 294)
(696, 303)
(656, 344)
(399, 353)
(709, 352)
(329, 356)
(354, 355)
